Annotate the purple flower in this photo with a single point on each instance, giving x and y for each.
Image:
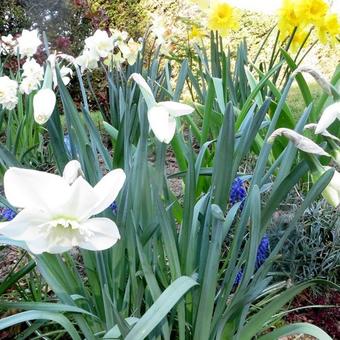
(238, 192)
(7, 214)
(262, 252)
(261, 256)
(113, 206)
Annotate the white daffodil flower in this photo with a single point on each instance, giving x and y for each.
(32, 74)
(332, 191)
(100, 43)
(119, 36)
(301, 142)
(65, 72)
(8, 44)
(162, 115)
(28, 43)
(87, 60)
(330, 114)
(43, 105)
(130, 51)
(8, 93)
(56, 214)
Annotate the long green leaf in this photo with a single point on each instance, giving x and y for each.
(158, 311)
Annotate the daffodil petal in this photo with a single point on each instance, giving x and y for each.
(41, 244)
(80, 202)
(162, 124)
(330, 114)
(25, 225)
(145, 89)
(177, 109)
(107, 189)
(301, 142)
(43, 105)
(34, 189)
(72, 171)
(105, 234)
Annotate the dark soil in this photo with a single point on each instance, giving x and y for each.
(327, 318)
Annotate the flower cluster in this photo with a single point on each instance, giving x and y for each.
(113, 50)
(261, 256)
(238, 192)
(302, 15)
(25, 45)
(7, 214)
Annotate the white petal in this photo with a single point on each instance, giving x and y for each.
(107, 190)
(145, 89)
(332, 191)
(25, 225)
(177, 109)
(325, 133)
(301, 142)
(41, 244)
(43, 105)
(330, 114)
(80, 202)
(72, 171)
(105, 234)
(34, 189)
(162, 124)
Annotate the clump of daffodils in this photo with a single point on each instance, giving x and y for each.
(112, 48)
(302, 16)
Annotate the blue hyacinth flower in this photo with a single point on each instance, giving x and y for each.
(261, 256)
(7, 214)
(238, 192)
(113, 206)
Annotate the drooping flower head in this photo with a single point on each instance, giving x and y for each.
(162, 115)
(56, 210)
(43, 105)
